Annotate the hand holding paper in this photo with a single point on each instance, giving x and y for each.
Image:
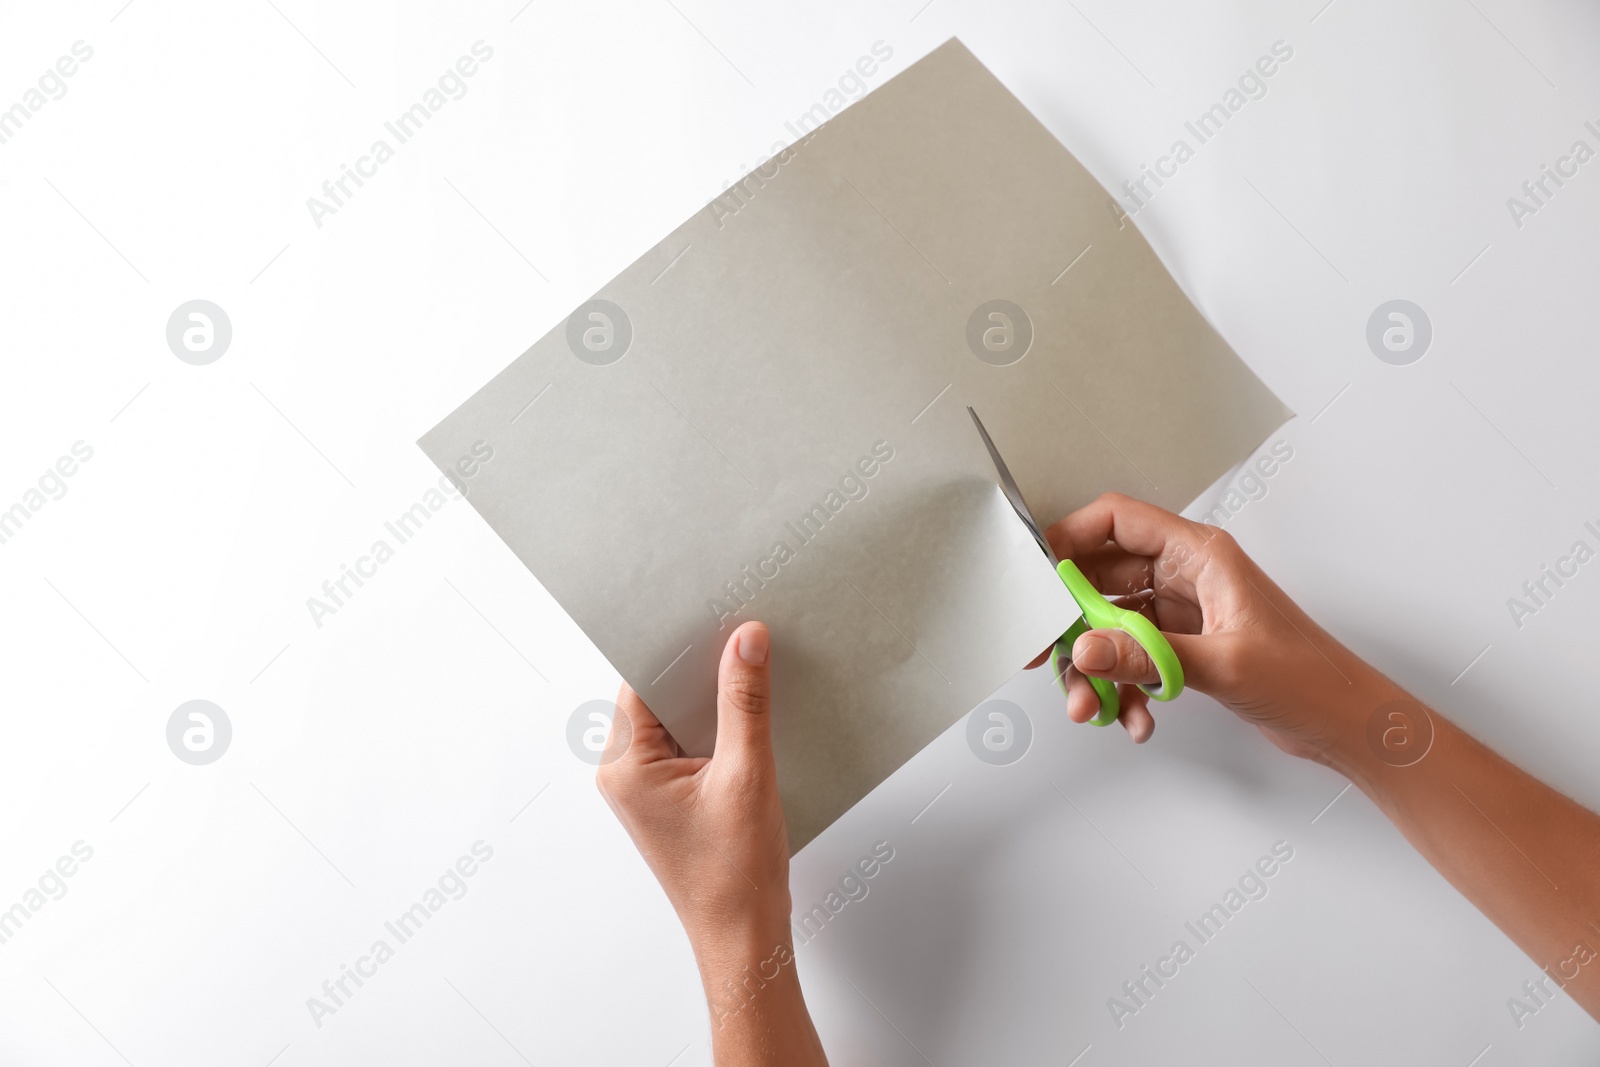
(712, 831)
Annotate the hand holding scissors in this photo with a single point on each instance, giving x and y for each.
(1098, 612)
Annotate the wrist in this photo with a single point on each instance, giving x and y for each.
(749, 977)
(1382, 731)
(728, 940)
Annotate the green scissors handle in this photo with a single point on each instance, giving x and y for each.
(1100, 614)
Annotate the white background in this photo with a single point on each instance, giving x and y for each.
(369, 753)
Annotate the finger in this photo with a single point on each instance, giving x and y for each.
(1208, 659)
(1140, 528)
(1144, 602)
(1172, 579)
(1136, 717)
(744, 695)
(1115, 655)
(1083, 703)
(1115, 571)
(636, 732)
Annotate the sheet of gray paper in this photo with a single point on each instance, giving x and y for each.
(829, 317)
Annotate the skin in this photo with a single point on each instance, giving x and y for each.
(712, 830)
(1525, 855)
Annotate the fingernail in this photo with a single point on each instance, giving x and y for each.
(753, 645)
(1093, 653)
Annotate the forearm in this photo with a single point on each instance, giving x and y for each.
(1522, 853)
(1526, 856)
(758, 1014)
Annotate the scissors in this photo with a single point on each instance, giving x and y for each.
(1098, 612)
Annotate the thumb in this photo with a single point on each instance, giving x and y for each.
(1211, 663)
(744, 694)
(1207, 660)
(1115, 655)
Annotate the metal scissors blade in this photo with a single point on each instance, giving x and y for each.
(1008, 485)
